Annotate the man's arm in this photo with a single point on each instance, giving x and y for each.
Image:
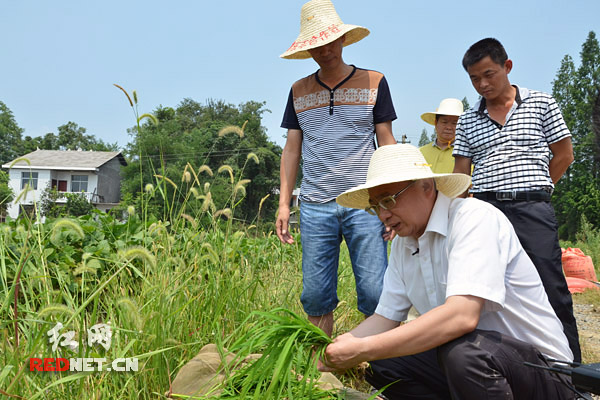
(562, 157)
(384, 134)
(462, 165)
(290, 160)
(458, 316)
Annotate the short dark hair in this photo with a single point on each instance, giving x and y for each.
(485, 47)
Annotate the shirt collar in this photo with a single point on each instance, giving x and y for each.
(434, 144)
(520, 95)
(438, 220)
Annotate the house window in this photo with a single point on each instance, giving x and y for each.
(79, 183)
(29, 177)
(59, 185)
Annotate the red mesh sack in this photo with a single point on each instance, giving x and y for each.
(577, 285)
(578, 265)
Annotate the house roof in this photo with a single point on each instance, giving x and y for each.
(65, 159)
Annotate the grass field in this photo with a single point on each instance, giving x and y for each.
(166, 288)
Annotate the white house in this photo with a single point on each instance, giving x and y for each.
(96, 174)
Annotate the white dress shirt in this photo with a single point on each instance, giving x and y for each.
(470, 248)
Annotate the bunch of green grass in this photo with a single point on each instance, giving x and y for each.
(286, 369)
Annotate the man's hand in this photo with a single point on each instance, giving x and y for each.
(389, 234)
(282, 224)
(342, 354)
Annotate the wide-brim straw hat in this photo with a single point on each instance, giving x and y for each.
(400, 163)
(447, 107)
(319, 25)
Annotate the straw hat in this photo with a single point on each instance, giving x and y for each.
(319, 25)
(447, 107)
(399, 163)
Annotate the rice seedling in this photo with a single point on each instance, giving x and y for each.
(286, 369)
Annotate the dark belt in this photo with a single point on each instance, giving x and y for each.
(531, 195)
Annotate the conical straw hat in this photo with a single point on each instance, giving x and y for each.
(319, 25)
(399, 163)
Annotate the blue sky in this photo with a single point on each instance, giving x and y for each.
(60, 58)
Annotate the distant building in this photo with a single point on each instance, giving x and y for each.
(96, 174)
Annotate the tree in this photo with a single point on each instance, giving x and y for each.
(466, 104)
(10, 135)
(576, 90)
(424, 139)
(194, 133)
(6, 193)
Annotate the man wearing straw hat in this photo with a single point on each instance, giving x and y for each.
(439, 152)
(520, 146)
(484, 311)
(333, 118)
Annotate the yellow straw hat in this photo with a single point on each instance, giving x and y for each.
(400, 163)
(447, 107)
(319, 25)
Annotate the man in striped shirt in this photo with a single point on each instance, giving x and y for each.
(520, 147)
(333, 117)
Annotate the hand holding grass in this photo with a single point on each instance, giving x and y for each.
(345, 352)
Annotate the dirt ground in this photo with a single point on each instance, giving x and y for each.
(588, 323)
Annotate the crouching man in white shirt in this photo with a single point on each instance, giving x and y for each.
(484, 311)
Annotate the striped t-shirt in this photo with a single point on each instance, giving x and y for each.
(338, 130)
(515, 156)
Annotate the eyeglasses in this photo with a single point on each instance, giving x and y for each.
(386, 203)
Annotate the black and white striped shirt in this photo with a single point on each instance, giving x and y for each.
(338, 130)
(515, 156)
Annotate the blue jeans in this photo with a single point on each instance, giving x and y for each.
(322, 228)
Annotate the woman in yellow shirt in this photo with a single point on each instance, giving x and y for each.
(439, 152)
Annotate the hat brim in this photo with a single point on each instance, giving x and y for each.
(451, 185)
(300, 47)
(429, 118)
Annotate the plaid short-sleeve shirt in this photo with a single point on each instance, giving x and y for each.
(515, 156)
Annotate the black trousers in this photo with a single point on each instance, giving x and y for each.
(537, 229)
(479, 365)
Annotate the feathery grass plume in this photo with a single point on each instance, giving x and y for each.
(157, 228)
(286, 368)
(205, 168)
(194, 192)
(240, 187)
(85, 269)
(23, 194)
(227, 168)
(21, 231)
(134, 93)
(151, 117)
(126, 94)
(148, 188)
(18, 160)
(166, 179)
(253, 156)
(186, 177)
(210, 255)
(140, 253)
(176, 261)
(130, 210)
(208, 203)
(206, 187)
(190, 220)
(133, 312)
(226, 212)
(55, 309)
(244, 125)
(261, 203)
(68, 225)
(231, 129)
